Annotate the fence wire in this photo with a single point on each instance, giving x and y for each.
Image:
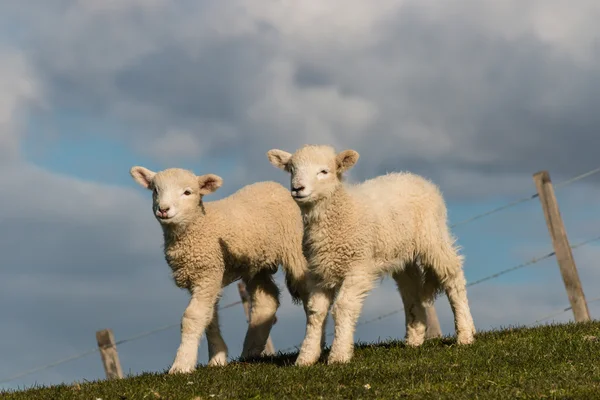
(532, 261)
(547, 317)
(95, 350)
(525, 199)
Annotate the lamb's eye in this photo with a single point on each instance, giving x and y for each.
(187, 192)
(324, 172)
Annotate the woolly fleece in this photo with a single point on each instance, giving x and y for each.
(353, 234)
(208, 245)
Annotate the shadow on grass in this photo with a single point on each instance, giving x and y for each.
(288, 359)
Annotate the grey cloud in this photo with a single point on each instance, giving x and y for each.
(453, 96)
(20, 91)
(506, 107)
(212, 85)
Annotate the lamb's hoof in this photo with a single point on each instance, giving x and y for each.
(219, 360)
(181, 369)
(268, 353)
(465, 338)
(412, 342)
(304, 361)
(338, 359)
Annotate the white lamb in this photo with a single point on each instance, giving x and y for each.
(354, 234)
(208, 245)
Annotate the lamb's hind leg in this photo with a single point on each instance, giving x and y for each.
(410, 285)
(456, 290)
(264, 301)
(217, 349)
(446, 265)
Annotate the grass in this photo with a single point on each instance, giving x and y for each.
(549, 362)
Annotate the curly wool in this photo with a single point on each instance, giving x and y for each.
(390, 220)
(255, 229)
(353, 234)
(208, 245)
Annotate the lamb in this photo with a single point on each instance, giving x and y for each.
(208, 245)
(354, 234)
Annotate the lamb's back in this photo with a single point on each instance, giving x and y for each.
(259, 222)
(393, 205)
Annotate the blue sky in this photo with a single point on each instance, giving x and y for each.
(477, 97)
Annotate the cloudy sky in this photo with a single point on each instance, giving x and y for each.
(476, 95)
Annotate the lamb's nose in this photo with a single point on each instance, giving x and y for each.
(298, 188)
(164, 209)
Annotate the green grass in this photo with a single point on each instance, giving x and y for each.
(550, 362)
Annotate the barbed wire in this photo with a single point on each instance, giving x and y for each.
(165, 327)
(495, 210)
(532, 261)
(463, 222)
(95, 350)
(525, 199)
(576, 178)
(547, 317)
(47, 366)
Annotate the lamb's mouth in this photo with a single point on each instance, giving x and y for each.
(300, 197)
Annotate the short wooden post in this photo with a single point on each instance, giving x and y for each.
(269, 348)
(433, 324)
(108, 352)
(561, 245)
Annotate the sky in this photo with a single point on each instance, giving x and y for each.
(475, 95)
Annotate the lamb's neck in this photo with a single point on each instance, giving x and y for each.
(328, 208)
(175, 232)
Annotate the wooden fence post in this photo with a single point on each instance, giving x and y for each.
(108, 352)
(433, 324)
(269, 348)
(561, 245)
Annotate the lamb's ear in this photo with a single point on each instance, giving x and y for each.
(346, 160)
(143, 176)
(209, 183)
(279, 158)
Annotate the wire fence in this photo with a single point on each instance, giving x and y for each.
(547, 317)
(506, 206)
(96, 349)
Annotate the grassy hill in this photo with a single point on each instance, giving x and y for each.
(550, 362)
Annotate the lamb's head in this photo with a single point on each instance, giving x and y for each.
(176, 193)
(315, 171)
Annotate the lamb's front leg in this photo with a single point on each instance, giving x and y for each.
(346, 311)
(196, 317)
(217, 349)
(316, 308)
(264, 301)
